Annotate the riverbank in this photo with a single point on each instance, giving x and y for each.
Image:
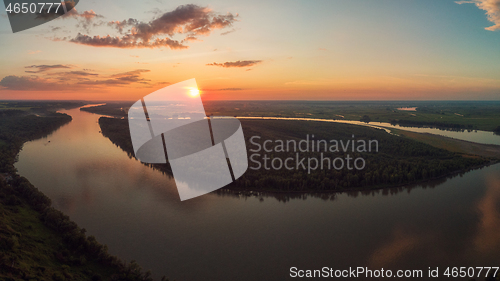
(352, 191)
(400, 160)
(36, 240)
(468, 149)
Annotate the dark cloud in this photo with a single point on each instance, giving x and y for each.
(227, 32)
(120, 25)
(121, 79)
(75, 81)
(77, 73)
(86, 15)
(44, 67)
(87, 19)
(31, 83)
(242, 63)
(125, 42)
(191, 20)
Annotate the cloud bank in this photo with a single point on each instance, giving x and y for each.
(492, 8)
(74, 80)
(190, 20)
(44, 67)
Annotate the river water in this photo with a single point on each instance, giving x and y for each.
(136, 211)
(477, 136)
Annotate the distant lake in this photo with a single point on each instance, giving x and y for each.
(136, 211)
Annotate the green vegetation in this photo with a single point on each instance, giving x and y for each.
(365, 119)
(116, 109)
(399, 160)
(454, 115)
(38, 107)
(476, 115)
(38, 242)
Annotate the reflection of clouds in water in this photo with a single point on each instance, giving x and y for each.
(488, 236)
(107, 179)
(66, 203)
(98, 174)
(401, 243)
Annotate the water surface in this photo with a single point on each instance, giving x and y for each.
(136, 211)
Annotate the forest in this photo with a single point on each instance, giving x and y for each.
(38, 242)
(400, 160)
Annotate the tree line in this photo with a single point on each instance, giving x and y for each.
(399, 160)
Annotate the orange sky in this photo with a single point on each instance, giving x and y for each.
(388, 50)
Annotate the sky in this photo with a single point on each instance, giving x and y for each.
(259, 50)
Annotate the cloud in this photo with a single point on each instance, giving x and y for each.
(492, 8)
(44, 67)
(86, 20)
(31, 83)
(227, 32)
(125, 42)
(121, 79)
(74, 80)
(34, 52)
(242, 63)
(190, 20)
(77, 73)
(87, 15)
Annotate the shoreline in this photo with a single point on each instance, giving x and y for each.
(68, 244)
(356, 189)
(466, 152)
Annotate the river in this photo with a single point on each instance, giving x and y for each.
(477, 136)
(136, 211)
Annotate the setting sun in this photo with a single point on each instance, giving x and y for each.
(194, 92)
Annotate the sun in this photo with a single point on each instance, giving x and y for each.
(194, 92)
